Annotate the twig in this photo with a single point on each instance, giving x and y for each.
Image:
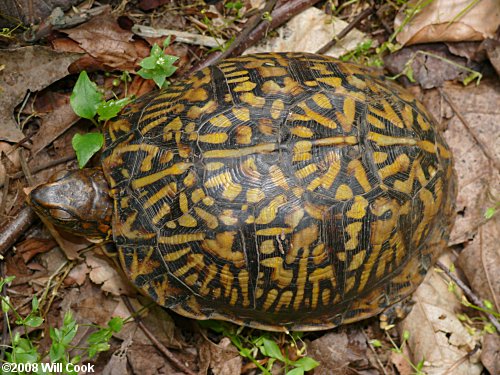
(279, 16)
(470, 294)
(11, 231)
(471, 131)
(346, 29)
(180, 36)
(167, 353)
(379, 362)
(249, 27)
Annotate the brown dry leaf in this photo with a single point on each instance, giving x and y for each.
(146, 360)
(22, 75)
(490, 355)
(480, 262)
(77, 275)
(429, 71)
(54, 124)
(109, 44)
(338, 351)
(400, 360)
(158, 321)
(440, 21)
(89, 304)
(102, 272)
(478, 180)
(29, 11)
(222, 358)
(117, 365)
(436, 334)
(308, 32)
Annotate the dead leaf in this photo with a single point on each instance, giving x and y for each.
(53, 125)
(77, 275)
(436, 334)
(490, 355)
(440, 21)
(89, 304)
(21, 75)
(308, 32)
(29, 11)
(336, 351)
(478, 181)
(32, 246)
(400, 360)
(146, 360)
(102, 272)
(480, 261)
(107, 43)
(222, 358)
(117, 365)
(429, 71)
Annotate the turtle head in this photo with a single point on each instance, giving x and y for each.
(76, 201)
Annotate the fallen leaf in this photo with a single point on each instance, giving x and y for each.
(104, 40)
(490, 355)
(222, 358)
(117, 364)
(102, 272)
(478, 179)
(29, 11)
(480, 261)
(89, 304)
(146, 360)
(429, 71)
(33, 246)
(308, 32)
(21, 75)
(444, 21)
(54, 124)
(436, 334)
(336, 351)
(77, 275)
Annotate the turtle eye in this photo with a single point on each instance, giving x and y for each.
(59, 214)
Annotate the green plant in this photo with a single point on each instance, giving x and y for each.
(23, 355)
(491, 211)
(87, 101)
(250, 347)
(158, 66)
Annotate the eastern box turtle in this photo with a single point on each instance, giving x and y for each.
(278, 191)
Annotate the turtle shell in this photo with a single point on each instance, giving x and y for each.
(279, 191)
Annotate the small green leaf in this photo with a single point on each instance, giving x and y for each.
(85, 97)
(406, 335)
(34, 304)
(86, 146)
(489, 213)
(296, 371)
(116, 324)
(56, 351)
(6, 280)
(5, 304)
(376, 343)
(488, 304)
(271, 349)
(33, 321)
(307, 363)
(111, 108)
